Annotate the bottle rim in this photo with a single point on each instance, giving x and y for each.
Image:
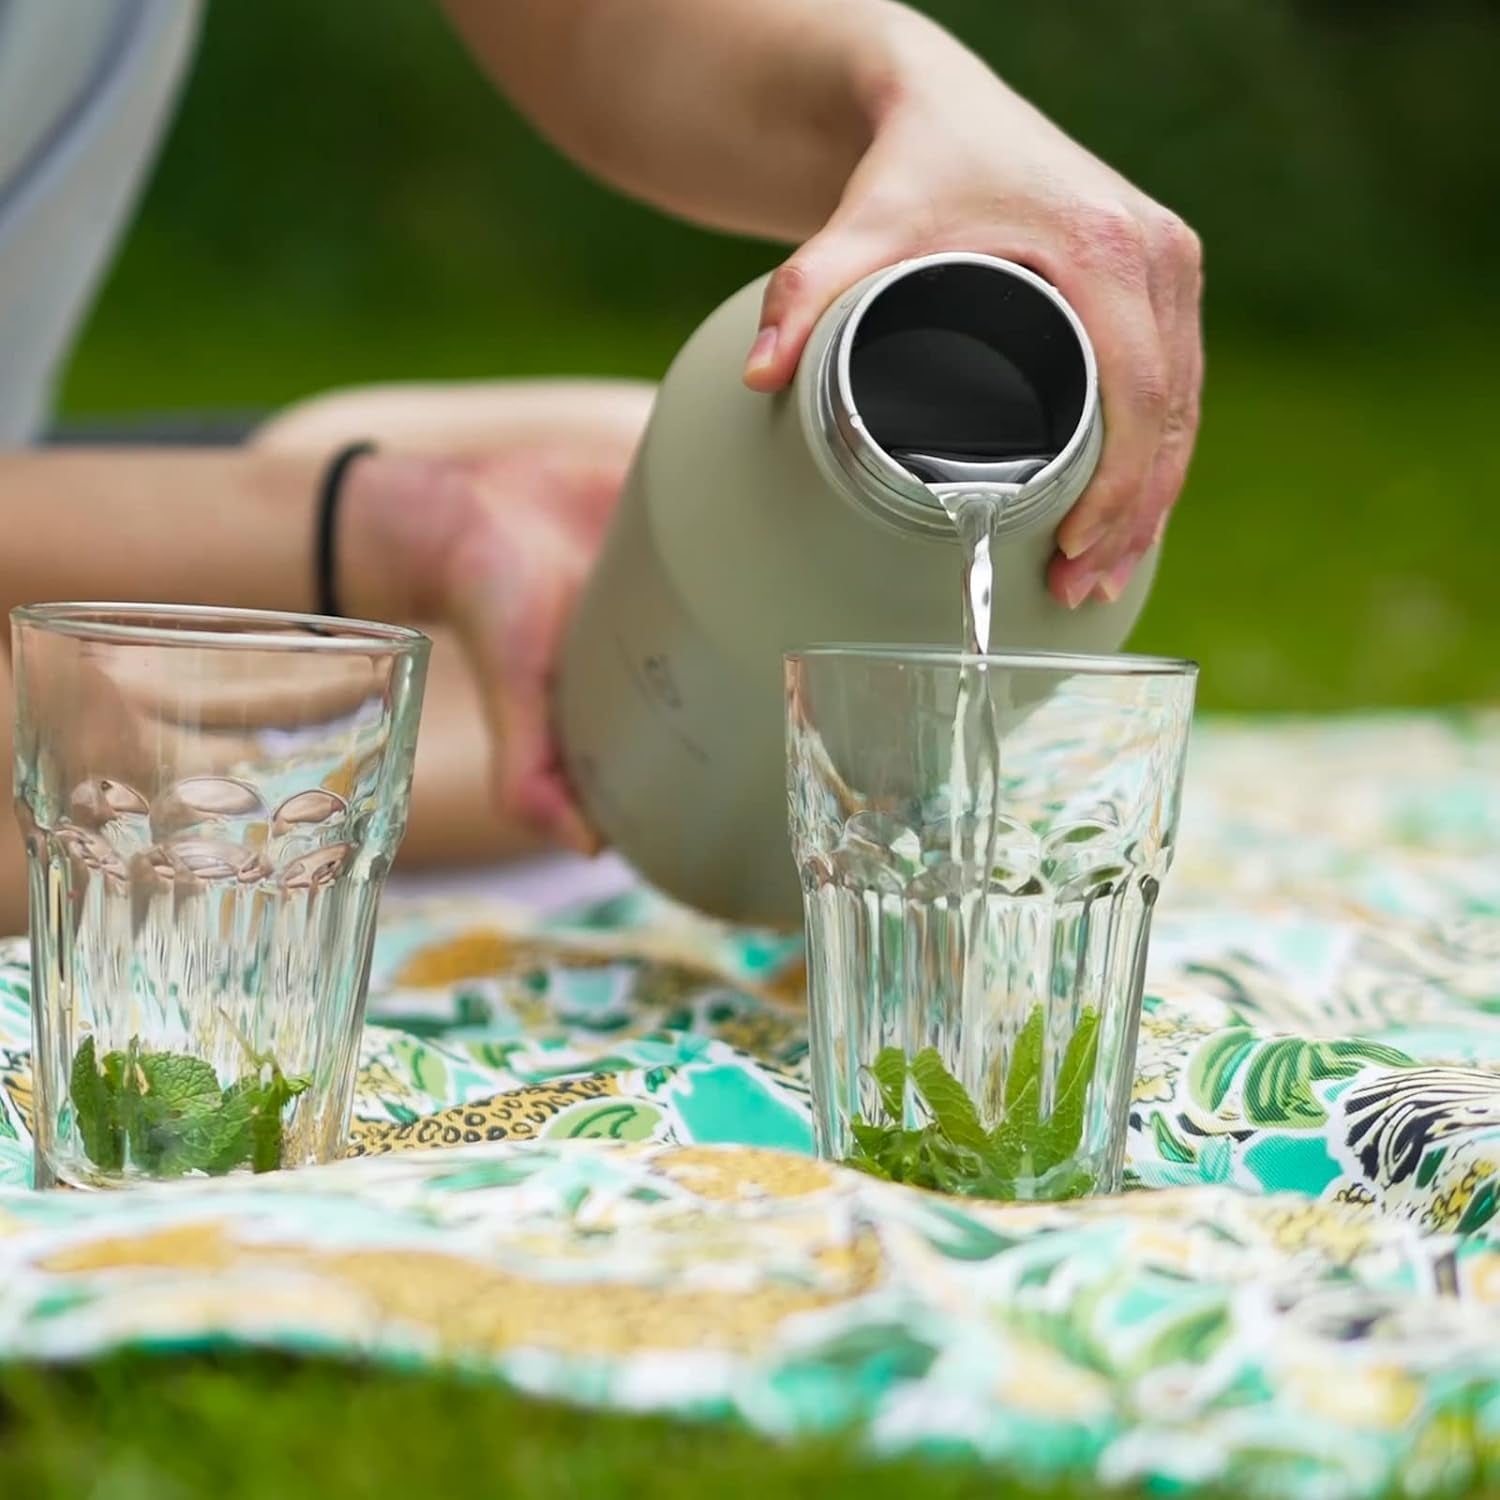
(869, 475)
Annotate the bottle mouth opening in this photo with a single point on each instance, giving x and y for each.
(957, 372)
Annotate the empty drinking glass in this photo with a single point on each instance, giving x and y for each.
(981, 841)
(210, 801)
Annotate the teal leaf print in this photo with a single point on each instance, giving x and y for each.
(612, 1120)
(1188, 1340)
(425, 1066)
(1279, 1083)
(1292, 1163)
(1430, 1164)
(958, 1236)
(504, 1172)
(1481, 1209)
(471, 1008)
(1215, 1064)
(1168, 1145)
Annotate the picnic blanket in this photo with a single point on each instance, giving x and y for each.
(581, 1162)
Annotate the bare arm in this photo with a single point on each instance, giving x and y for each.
(747, 115)
(867, 133)
(212, 527)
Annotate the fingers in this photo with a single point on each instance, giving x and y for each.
(1177, 300)
(1181, 429)
(1108, 283)
(1149, 384)
(545, 802)
(511, 604)
(801, 291)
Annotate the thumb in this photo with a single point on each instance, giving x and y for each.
(527, 779)
(530, 780)
(799, 293)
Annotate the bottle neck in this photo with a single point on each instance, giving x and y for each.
(885, 483)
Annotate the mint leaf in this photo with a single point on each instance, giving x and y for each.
(113, 1069)
(1078, 1061)
(1009, 1155)
(1078, 1183)
(1025, 1061)
(178, 1084)
(265, 1119)
(236, 1113)
(866, 1164)
(953, 1111)
(95, 1108)
(889, 1072)
(197, 1143)
(871, 1139)
(950, 1167)
(903, 1156)
(169, 1109)
(953, 1152)
(1059, 1138)
(172, 1102)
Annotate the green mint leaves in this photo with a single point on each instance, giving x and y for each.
(166, 1111)
(93, 1094)
(953, 1152)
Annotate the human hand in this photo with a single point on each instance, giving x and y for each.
(496, 548)
(958, 161)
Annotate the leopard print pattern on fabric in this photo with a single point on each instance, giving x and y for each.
(15, 1085)
(520, 1115)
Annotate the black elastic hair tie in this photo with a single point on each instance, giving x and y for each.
(328, 513)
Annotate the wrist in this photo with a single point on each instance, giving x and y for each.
(398, 524)
(903, 58)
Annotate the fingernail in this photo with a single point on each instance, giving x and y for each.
(1112, 584)
(1078, 588)
(762, 351)
(1080, 542)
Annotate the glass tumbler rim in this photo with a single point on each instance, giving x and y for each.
(218, 628)
(1124, 664)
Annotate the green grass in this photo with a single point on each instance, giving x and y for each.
(256, 1426)
(244, 1426)
(1334, 548)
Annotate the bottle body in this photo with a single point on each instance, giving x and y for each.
(736, 539)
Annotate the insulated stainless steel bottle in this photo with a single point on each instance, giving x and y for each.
(754, 524)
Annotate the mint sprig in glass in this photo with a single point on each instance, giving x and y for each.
(1027, 1155)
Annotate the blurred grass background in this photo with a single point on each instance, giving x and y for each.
(345, 199)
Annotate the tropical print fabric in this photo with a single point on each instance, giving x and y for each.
(580, 1160)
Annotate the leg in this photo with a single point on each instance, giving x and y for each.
(469, 417)
(451, 822)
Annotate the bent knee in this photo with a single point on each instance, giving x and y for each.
(460, 416)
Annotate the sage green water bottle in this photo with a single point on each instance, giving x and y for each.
(751, 525)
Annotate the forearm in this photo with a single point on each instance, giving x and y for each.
(748, 115)
(229, 526)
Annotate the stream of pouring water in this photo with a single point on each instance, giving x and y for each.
(978, 516)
